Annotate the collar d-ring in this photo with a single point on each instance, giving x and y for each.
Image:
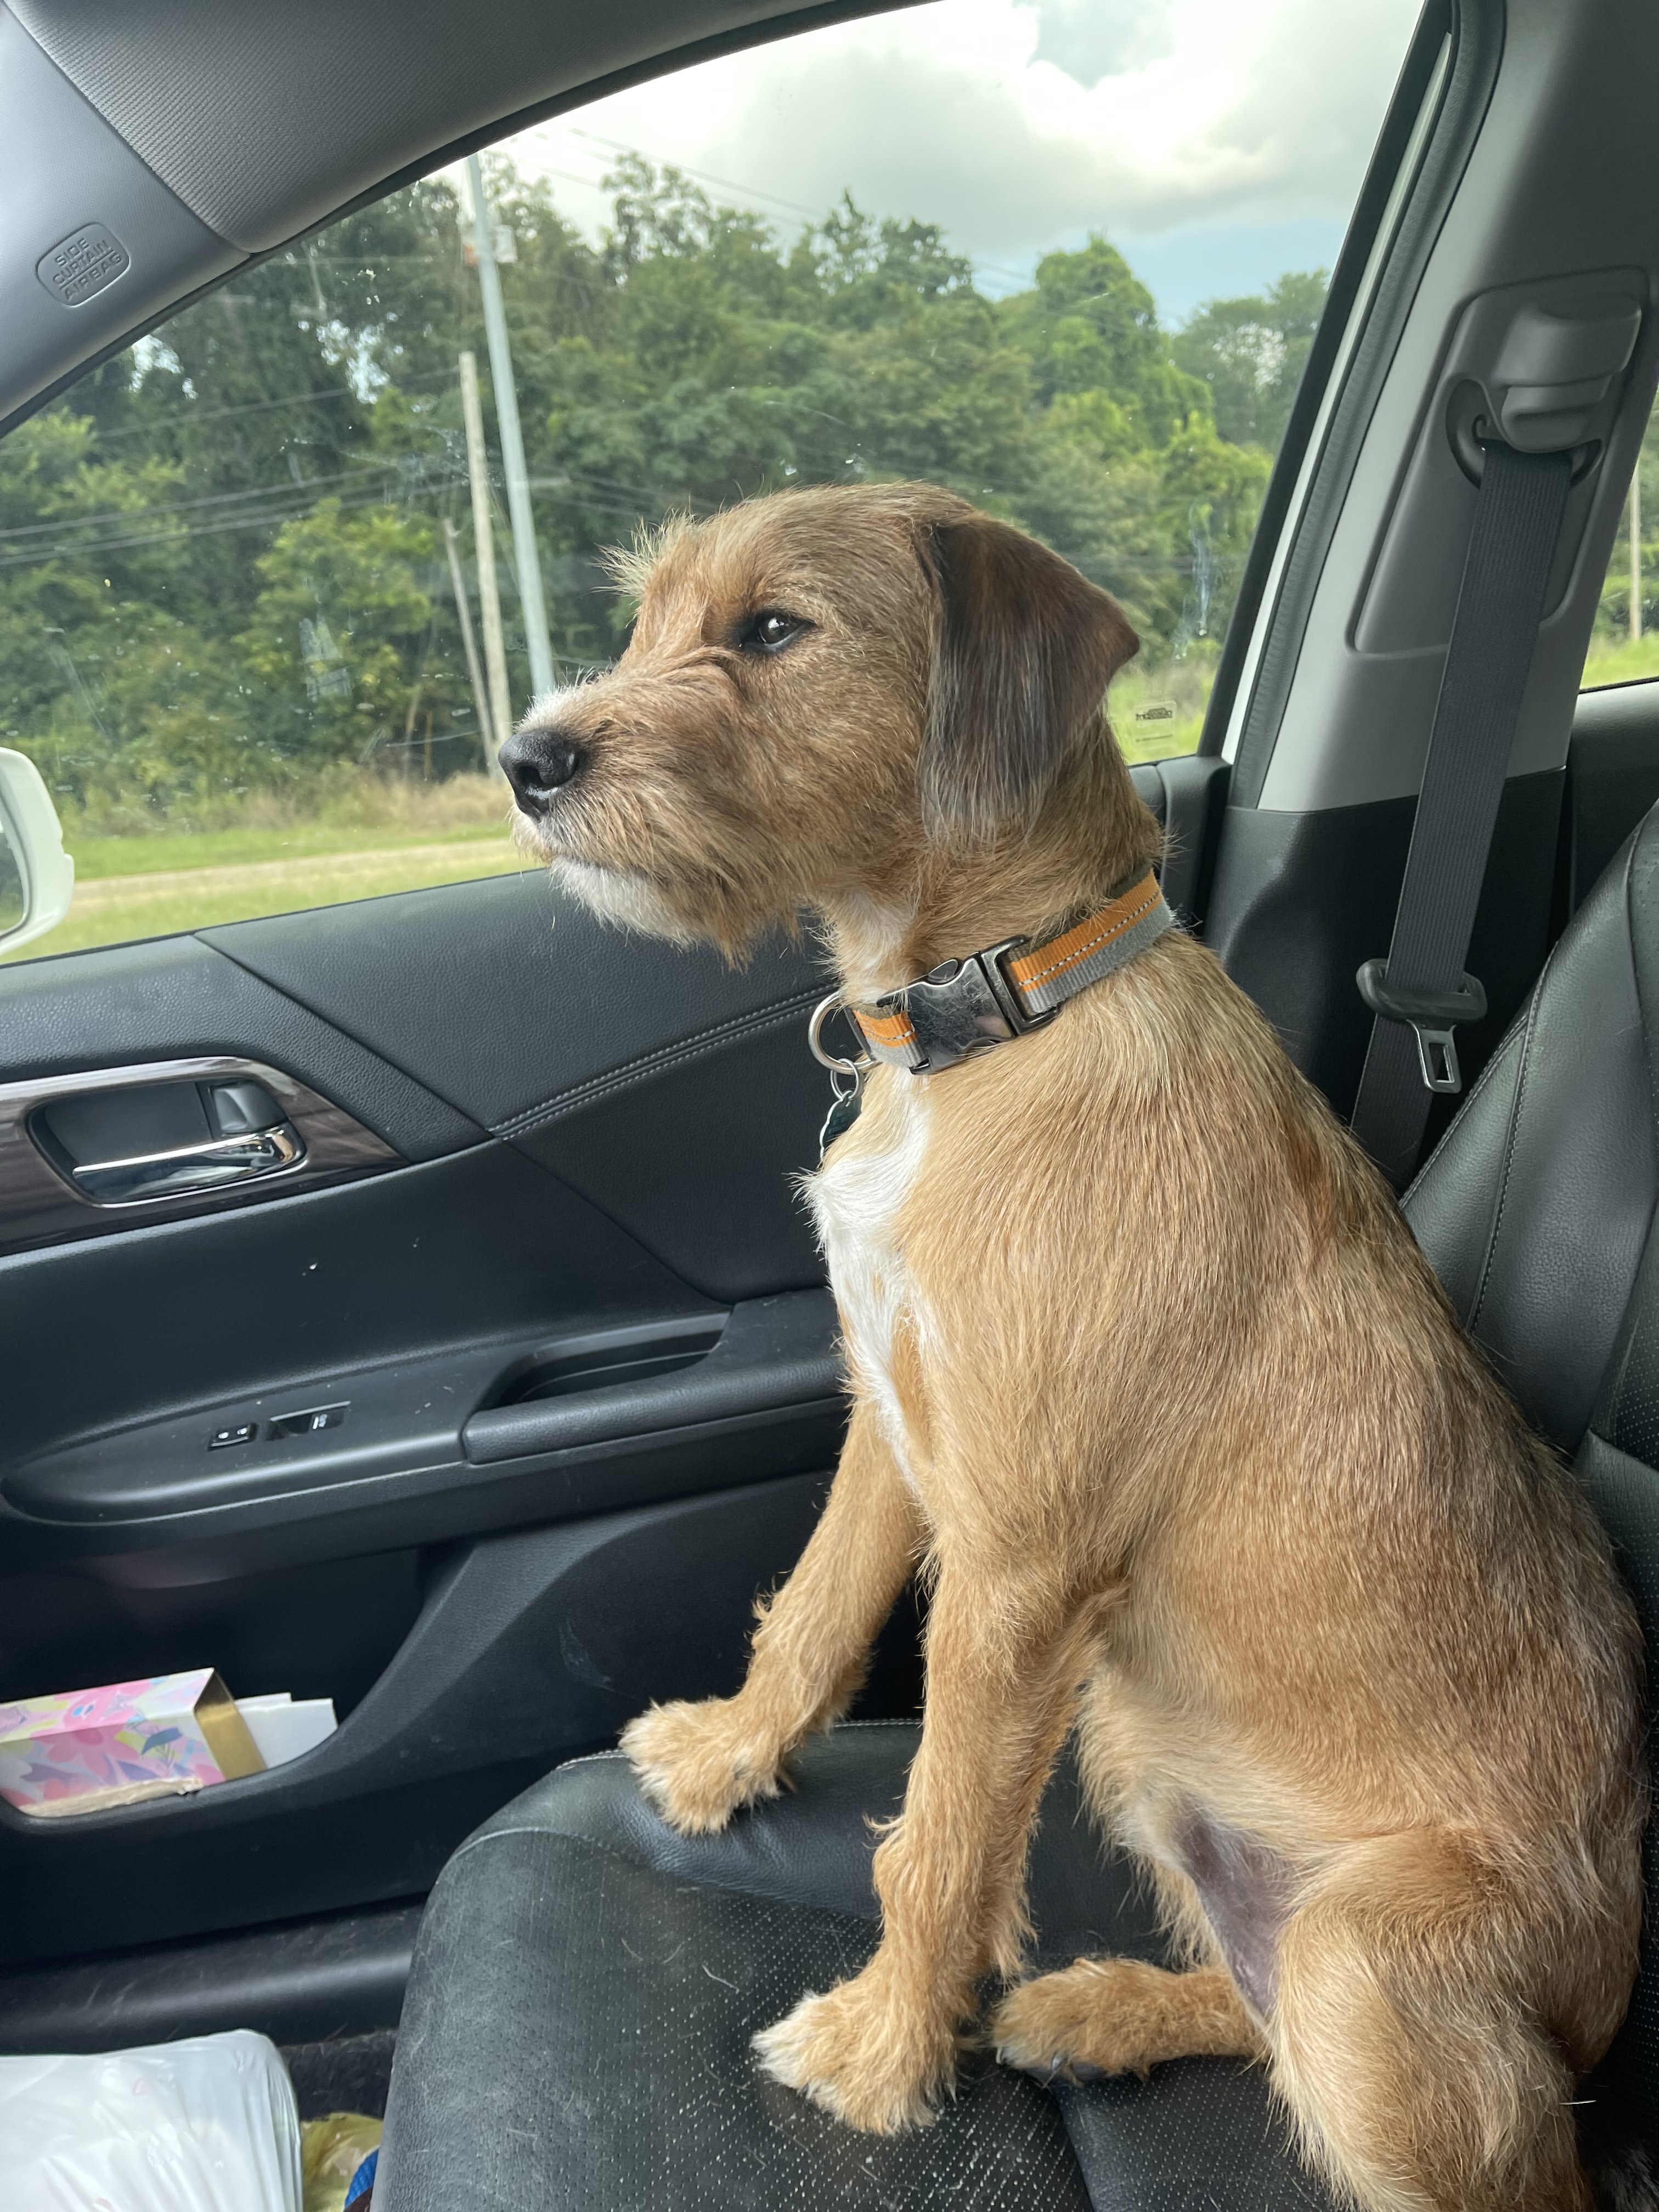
(837, 1065)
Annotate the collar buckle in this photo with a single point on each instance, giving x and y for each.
(964, 1006)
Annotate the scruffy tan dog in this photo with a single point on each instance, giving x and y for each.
(1150, 1376)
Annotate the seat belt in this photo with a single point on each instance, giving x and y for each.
(1421, 992)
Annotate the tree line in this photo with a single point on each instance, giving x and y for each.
(221, 565)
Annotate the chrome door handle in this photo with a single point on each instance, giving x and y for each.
(190, 1169)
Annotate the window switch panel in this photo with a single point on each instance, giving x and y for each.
(309, 1422)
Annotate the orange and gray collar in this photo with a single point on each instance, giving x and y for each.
(966, 1006)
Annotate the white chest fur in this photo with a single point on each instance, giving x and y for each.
(857, 1199)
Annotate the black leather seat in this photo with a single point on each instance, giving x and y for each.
(575, 2037)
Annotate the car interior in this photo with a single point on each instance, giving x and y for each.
(492, 1415)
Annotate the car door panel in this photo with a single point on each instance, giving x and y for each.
(175, 998)
(423, 1456)
(527, 1647)
(85, 1155)
(575, 1316)
(671, 1088)
(280, 1295)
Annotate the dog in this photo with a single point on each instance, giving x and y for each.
(1148, 1378)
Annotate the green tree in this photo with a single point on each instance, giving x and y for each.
(1251, 352)
(1089, 324)
(335, 635)
(221, 559)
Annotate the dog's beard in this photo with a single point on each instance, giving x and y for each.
(621, 895)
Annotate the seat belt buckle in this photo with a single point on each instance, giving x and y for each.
(1432, 1016)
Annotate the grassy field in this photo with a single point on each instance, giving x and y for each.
(113, 909)
(98, 860)
(367, 836)
(1158, 712)
(368, 839)
(1631, 661)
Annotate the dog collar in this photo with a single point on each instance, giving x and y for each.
(966, 1006)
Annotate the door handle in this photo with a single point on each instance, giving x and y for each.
(120, 1118)
(188, 1168)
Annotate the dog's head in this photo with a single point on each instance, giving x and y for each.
(821, 687)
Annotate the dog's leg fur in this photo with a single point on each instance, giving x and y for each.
(1121, 2016)
(1417, 2081)
(698, 1762)
(1414, 2085)
(1002, 1684)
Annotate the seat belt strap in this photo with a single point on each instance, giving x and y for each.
(1421, 992)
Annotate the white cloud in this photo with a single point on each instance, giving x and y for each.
(1019, 127)
(1093, 39)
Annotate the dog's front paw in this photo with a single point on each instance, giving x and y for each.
(698, 1763)
(872, 2062)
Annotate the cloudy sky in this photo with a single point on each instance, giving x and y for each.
(1217, 142)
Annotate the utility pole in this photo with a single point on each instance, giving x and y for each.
(470, 647)
(1636, 552)
(526, 558)
(490, 600)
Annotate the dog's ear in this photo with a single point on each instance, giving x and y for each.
(1023, 648)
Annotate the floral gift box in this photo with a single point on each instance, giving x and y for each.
(87, 1749)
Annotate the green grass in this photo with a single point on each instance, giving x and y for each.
(1628, 661)
(362, 837)
(114, 910)
(160, 852)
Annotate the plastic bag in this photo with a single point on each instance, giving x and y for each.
(206, 2125)
(332, 2153)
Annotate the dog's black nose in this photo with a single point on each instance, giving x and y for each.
(537, 763)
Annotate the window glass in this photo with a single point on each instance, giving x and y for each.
(1624, 647)
(273, 582)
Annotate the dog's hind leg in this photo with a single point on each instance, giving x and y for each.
(1419, 2077)
(1120, 2016)
(1226, 1895)
(698, 1762)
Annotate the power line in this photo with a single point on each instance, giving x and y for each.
(604, 495)
(193, 414)
(129, 514)
(277, 513)
(217, 414)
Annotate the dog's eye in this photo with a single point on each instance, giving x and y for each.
(770, 631)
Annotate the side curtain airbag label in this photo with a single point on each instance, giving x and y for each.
(84, 264)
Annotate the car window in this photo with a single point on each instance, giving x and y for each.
(1624, 647)
(275, 582)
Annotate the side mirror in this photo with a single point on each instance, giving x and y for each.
(36, 876)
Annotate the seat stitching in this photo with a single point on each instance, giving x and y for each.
(1533, 1006)
(655, 1062)
(1493, 1068)
(1511, 1140)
